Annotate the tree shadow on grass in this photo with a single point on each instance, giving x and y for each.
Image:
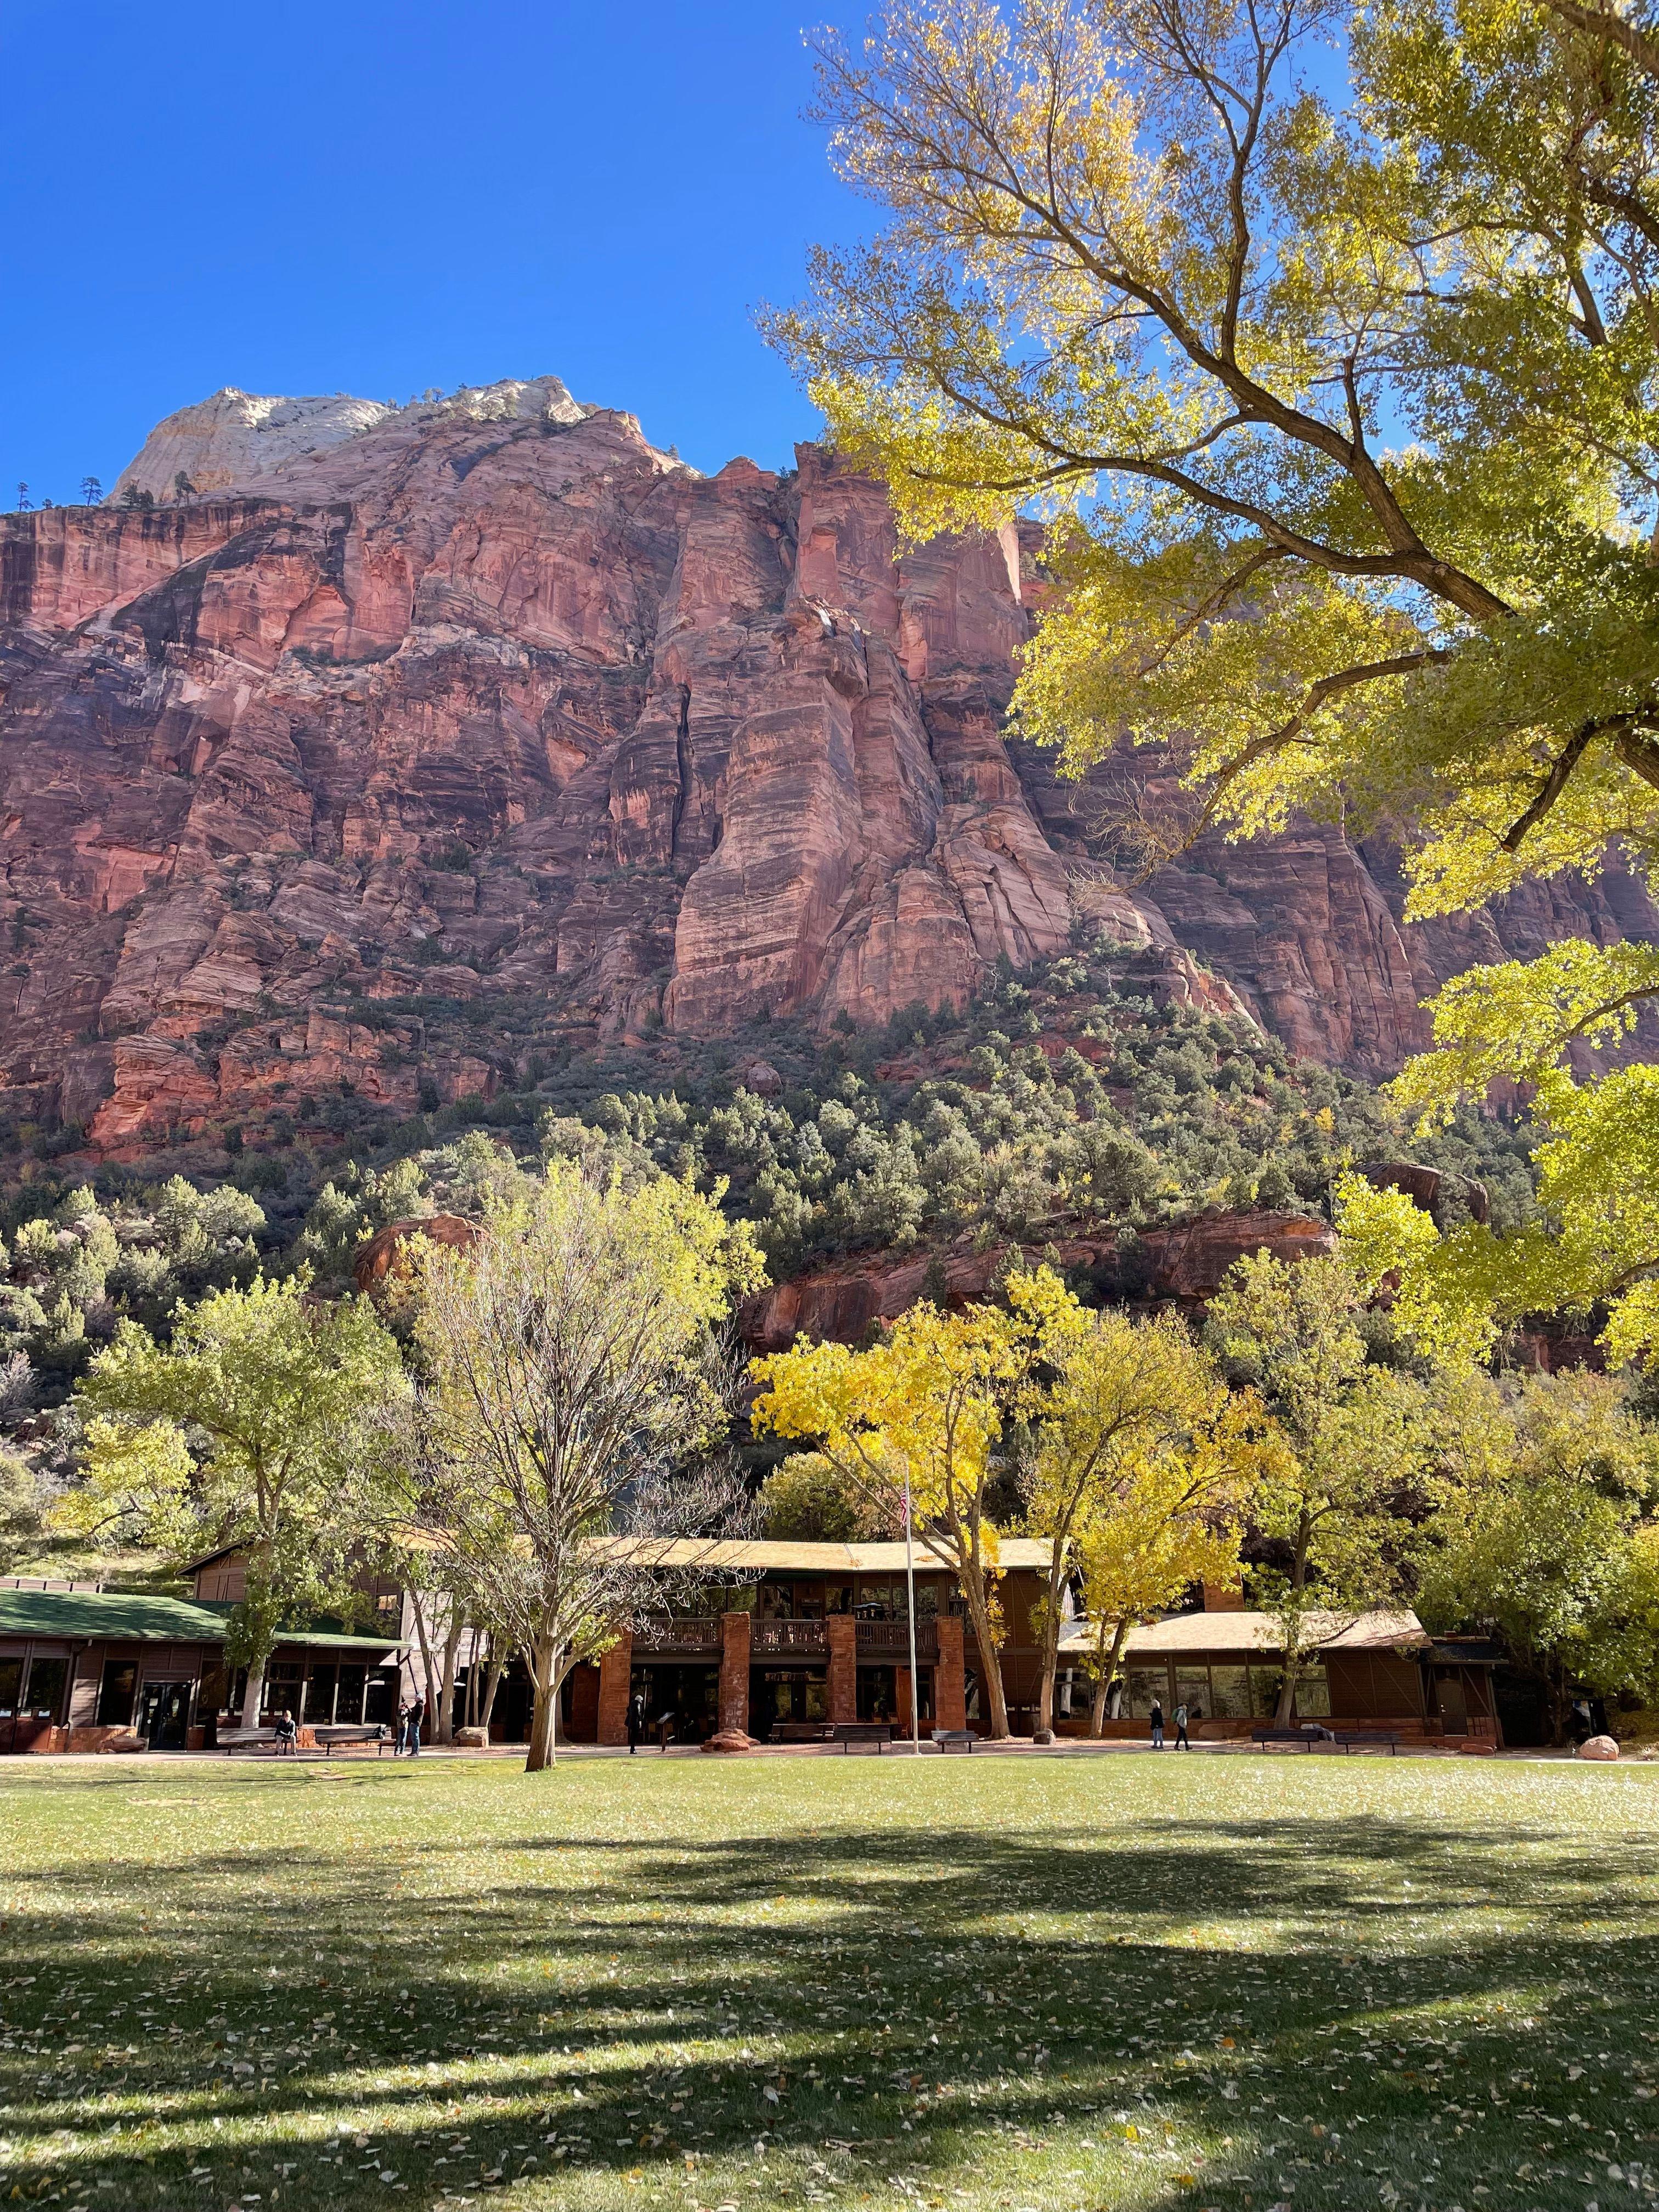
(965, 1981)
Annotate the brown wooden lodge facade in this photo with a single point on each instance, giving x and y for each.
(787, 1635)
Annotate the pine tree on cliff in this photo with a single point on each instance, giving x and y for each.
(24, 502)
(92, 492)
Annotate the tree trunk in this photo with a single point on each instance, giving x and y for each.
(542, 1753)
(492, 1683)
(423, 1637)
(253, 1696)
(990, 1663)
(1293, 1611)
(446, 1729)
(1103, 1680)
(473, 1683)
(1050, 1654)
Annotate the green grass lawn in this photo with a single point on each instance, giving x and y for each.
(1240, 1982)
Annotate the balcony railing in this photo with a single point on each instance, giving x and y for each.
(690, 1637)
(802, 1639)
(891, 1639)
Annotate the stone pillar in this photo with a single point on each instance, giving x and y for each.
(616, 1678)
(949, 1683)
(842, 1630)
(733, 1732)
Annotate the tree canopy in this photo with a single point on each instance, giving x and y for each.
(1341, 409)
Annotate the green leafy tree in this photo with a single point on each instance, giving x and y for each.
(806, 1499)
(22, 1521)
(1354, 1444)
(576, 1389)
(1540, 1537)
(1345, 416)
(241, 1431)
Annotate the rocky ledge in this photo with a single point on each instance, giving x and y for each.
(411, 742)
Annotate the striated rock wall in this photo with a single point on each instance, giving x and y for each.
(429, 736)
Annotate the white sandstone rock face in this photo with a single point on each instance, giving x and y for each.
(238, 438)
(236, 435)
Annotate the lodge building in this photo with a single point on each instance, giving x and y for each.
(782, 1638)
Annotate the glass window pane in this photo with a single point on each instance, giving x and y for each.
(1191, 1689)
(1264, 1691)
(349, 1705)
(1229, 1690)
(1147, 1683)
(320, 1694)
(1313, 1694)
(117, 1691)
(45, 1695)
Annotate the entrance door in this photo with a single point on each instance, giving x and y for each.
(164, 1716)
(1450, 1696)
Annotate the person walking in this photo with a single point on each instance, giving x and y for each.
(1157, 1724)
(1183, 1743)
(635, 1721)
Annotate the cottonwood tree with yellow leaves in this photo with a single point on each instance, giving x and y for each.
(1141, 1463)
(933, 1400)
(1344, 411)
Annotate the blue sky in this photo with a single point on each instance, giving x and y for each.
(375, 199)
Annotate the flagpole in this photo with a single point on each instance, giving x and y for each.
(910, 1587)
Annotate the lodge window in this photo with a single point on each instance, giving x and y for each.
(320, 1695)
(118, 1692)
(43, 1698)
(1313, 1694)
(1229, 1693)
(282, 1689)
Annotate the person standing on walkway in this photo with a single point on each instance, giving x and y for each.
(1157, 1724)
(1181, 1739)
(635, 1721)
(417, 1711)
(400, 1734)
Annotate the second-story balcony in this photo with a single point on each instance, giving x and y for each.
(691, 1636)
(793, 1639)
(890, 1640)
(700, 1636)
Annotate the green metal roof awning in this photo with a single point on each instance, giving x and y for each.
(130, 1617)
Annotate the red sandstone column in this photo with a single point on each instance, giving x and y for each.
(842, 1630)
(734, 1733)
(901, 1698)
(950, 1685)
(615, 1673)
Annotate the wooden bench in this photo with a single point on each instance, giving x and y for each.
(1363, 1738)
(876, 1732)
(1307, 1737)
(944, 1738)
(332, 1732)
(802, 1731)
(259, 1739)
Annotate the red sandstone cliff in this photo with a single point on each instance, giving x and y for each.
(487, 723)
